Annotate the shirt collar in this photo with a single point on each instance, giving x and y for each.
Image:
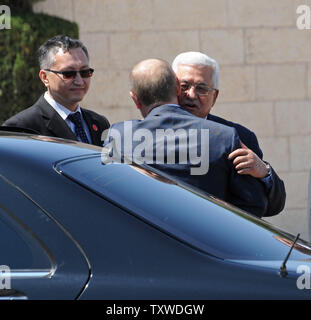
(60, 109)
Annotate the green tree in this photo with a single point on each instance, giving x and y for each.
(20, 85)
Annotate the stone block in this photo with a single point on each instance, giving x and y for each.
(277, 45)
(300, 153)
(245, 13)
(109, 89)
(297, 3)
(309, 81)
(98, 48)
(126, 49)
(256, 116)
(59, 8)
(116, 15)
(296, 185)
(293, 118)
(226, 46)
(281, 82)
(194, 14)
(237, 84)
(276, 152)
(123, 113)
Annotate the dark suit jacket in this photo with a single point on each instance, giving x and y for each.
(277, 193)
(44, 120)
(221, 180)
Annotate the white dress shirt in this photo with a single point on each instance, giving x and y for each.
(64, 113)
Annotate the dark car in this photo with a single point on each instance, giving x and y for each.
(72, 227)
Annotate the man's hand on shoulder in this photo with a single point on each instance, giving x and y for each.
(247, 162)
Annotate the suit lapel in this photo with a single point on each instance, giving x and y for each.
(54, 122)
(93, 127)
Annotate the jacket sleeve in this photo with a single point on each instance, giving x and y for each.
(24, 121)
(246, 192)
(276, 193)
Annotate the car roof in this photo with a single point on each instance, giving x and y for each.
(49, 149)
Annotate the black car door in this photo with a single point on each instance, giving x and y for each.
(38, 258)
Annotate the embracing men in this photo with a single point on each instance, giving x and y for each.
(155, 90)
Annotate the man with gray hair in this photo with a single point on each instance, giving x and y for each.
(65, 72)
(188, 148)
(198, 76)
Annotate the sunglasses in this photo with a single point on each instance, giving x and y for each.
(69, 75)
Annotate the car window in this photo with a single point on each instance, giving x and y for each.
(19, 250)
(207, 224)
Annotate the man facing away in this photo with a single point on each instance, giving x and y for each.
(170, 139)
(198, 75)
(65, 72)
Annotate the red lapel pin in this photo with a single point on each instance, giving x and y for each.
(95, 127)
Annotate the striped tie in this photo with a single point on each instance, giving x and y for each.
(75, 118)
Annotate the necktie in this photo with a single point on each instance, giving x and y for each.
(75, 118)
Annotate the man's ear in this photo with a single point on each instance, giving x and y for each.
(178, 88)
(136, 99)
(215, 96)
(43, 77)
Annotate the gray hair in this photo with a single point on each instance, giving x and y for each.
(50, 48)
(197, 59)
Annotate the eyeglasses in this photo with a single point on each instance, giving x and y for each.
(200, 88)
(69, 75)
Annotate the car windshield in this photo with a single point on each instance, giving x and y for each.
(198, 220)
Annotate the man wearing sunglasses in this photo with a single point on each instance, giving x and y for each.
(65, 72)
(198, 76)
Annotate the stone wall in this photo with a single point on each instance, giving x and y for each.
(265, 69)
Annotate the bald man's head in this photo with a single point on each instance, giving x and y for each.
(153, 82)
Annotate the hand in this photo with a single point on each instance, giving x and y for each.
(247, 162)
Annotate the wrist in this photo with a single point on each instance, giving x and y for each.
(268, 170)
